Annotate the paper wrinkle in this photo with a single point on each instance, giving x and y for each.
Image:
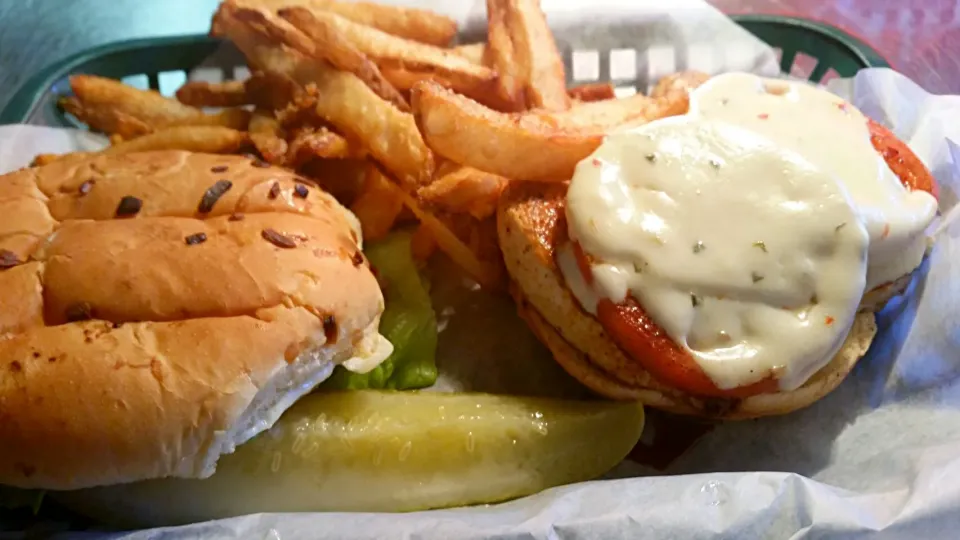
(881, 453)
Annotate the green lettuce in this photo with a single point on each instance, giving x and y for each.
(408, 322)
(15, 499)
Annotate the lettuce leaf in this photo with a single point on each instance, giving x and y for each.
(15, 499)
(408, 322)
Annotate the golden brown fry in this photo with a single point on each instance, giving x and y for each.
(404, 79)
(389, 135)
(598, 91)
(116, 139)
(272, 149)
(524, 53)
(422, 243)
(309, 144)
(481, 236)
(610, 114)
(341, 99)
(114, 108)
(535, 49)
(389, 51)
(207, 94)
(237, 119)
(377, 206)
(500, 55)
(264, 122)
(465, 190)
(45, 159)
(104, 118)
(473, 52)
(267, 137)
(678, 84)
(320, 39)
(416, 24)
(486, 274)
(263, 54)
(145, 105)
(271, 91)
(210, 139)
(342, 178)
(523, 146)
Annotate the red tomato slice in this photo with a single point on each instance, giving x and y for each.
(644, 341)
(902, 161)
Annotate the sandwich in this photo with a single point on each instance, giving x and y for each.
(727, 262)
(162, 308)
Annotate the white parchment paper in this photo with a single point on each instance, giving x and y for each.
(877, 458)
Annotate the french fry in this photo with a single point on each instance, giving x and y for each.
(390, 135)
(267, 137)
(281, 64)
(377, 206)
(465, 190)
(341, 99)
(678, 84)
(207, 94)
(209, 139)
(487, 275)
(104, 118)
(309, 144)
(389, 51)
(112, 107)
(416, 24)
(520, 148)
(500, 55)
(422, 243)
(45, 159)
(473, 52)
(482, 238)
(235, 118)
(116, 138)
(537, 146)
(271, 91)
(610, 114)
(325, 41)
(524, 53)
(404, 80)
(342, 178)
(145, 105)
(598, 91)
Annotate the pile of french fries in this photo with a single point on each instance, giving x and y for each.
(374, 104)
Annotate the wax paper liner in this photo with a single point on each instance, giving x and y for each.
(879, 457)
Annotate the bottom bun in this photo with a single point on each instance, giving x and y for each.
(822, 383)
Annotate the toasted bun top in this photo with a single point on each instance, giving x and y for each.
(530, 222)
(157, 309)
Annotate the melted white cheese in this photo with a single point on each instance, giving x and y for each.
(747, 229)
(372, 350)
(833, 135)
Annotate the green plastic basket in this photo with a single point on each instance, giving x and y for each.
(35, 102)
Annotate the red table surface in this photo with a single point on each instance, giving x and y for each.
(919, 38)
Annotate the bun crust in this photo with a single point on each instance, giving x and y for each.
(530, 224)
(146, 347)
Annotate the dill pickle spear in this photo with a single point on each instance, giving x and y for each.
(375, 451)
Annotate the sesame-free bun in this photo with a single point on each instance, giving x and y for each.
(531, 223)
(148, 344)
